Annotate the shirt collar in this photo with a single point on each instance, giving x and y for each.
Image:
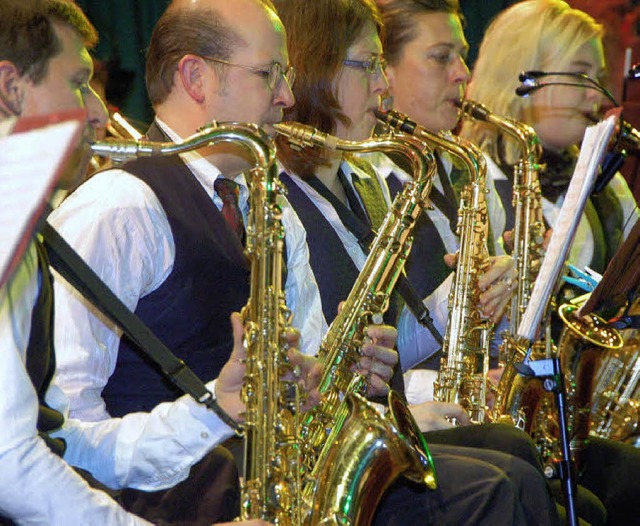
(204, 171)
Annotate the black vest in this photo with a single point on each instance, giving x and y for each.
(190, 311)
(40, 360)
(332, 266)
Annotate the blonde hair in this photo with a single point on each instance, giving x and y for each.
(530, 35)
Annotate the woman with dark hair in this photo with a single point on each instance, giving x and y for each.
(336, 50)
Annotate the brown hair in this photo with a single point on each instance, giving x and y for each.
(180, 31)
(399, 18)
(67, 12)
(319, 33)
(27, 37)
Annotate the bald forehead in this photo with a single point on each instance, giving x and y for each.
(248, 19)
(234, 12)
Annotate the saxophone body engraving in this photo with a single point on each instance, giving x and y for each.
(352, 453)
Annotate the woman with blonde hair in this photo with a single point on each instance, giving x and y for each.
(550, 36)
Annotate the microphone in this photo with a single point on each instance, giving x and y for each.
(525, 89)
(531, 75)
(628, 140)
(530, 83)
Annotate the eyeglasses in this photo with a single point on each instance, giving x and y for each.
(372, 66)
(273, 75)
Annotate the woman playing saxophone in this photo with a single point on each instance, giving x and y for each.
(337, 91)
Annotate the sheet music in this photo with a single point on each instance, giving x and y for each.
(30, 164)
(593, 148)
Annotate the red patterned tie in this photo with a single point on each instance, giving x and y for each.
(229, 192)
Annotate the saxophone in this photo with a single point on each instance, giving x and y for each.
(272, 477)
(344, 426)
(528, 252)
(615, 409)
(124, 150)
(465, 361)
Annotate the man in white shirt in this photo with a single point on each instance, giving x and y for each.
(45, 67)
(150, 230)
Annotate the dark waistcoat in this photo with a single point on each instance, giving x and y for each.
(190, 311)
(332, 266)
(40, 356)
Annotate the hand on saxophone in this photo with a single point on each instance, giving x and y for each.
(305, 369)
(434, 416)
(496, 284)
(378, 358)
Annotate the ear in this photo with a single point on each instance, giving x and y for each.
(11, 89)
(193, 76)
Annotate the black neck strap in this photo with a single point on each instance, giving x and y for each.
(73, 268)
(365, 236)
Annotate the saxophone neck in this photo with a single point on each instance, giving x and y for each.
(419, 155)
(251, 137)
(522, 133)
(464, 150)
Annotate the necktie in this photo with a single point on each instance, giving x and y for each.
(229, 192)
(375, 206)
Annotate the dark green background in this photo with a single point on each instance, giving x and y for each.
(125, 27)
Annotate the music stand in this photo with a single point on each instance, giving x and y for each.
(33, 157)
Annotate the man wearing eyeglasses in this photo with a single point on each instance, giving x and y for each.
(165, 234)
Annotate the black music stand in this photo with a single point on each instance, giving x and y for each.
(550, 373)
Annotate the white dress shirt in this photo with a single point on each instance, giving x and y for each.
(116, 223)
(38, 487)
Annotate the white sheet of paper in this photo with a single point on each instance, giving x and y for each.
(592, 150)
(30, 163)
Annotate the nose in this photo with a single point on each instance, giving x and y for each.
(379, 82)
(283, 95)
(97, 114)
(460, 71)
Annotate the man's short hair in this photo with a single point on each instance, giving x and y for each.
(179, 32)
(27, 35)
(27, 38)
(67, 12)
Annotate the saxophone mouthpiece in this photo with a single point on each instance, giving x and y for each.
(304, 136)
(396, 120)
(477, 110)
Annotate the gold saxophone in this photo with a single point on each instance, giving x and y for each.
(465, 360)
(272, 473)
(352, 453)
(528, 252)
(123, 150)
(615, 406)
(271, 488)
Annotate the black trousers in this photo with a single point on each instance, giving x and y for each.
(509, 439)
(475, 487)
(612, 472)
